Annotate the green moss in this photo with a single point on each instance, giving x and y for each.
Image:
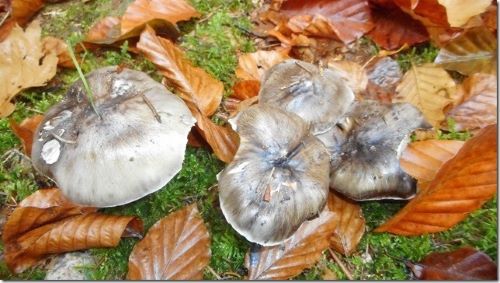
(417, 55)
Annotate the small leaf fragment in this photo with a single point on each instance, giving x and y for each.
(26, 130)
(252, 66)
(177, 247)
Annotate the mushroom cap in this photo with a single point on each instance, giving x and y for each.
(278, 178)
(133, 150)
(365, 166)
(319, 96)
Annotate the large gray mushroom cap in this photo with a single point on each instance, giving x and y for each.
(365, 164)
(134, 149)
(278, 178)
(319, 96)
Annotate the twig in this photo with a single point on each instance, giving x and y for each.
(152, 108)
(341, 264)
(211, 270)
(4, 17)
(61, 139)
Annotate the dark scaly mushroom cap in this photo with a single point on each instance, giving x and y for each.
(319, 96)
(278, 178)
(365, 164)
(134, 149)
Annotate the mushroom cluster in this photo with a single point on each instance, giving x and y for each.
(306, 116)
(129, 142)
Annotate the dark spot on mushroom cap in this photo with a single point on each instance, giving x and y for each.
(366, 165)
(276, 152)
(94, 166)
(319, 96)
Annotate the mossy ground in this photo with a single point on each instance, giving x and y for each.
(213, 43)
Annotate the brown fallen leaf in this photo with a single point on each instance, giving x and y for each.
(394, 28)
(54, 44)
(431, 89)
(245, 89)
(141, 12)
(348, 20)
(192, 83)
(478, 107)
(47, 223)
(302, 250)
(21, 11)
(177, 247)
(431, 10)
(349, 226)
(490, 18)
(475, 51)
(22, 67)
(25, 131)
(463, 264)
(252, 66)
(201, 92)
(461, 186)
(384, 76)
(459, 12)
(423, 159)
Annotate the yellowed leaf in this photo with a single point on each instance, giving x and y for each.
(252, 66)
(460, 11)
(23, 64)
(431, 89)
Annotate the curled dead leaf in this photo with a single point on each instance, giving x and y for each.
(459, 12)
(21, 11)
(22, 67)
(54, 44)
(47, 223)
(431, 89)
(463, 264)
(302, 250)
(25, 131)
(177, 247)
(461, 186)
(350, 224)
(478, 107)
(252, 66)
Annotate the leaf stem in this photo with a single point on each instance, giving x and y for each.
(88, 90)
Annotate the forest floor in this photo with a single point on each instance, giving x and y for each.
(213, 43)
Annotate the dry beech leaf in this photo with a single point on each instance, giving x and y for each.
(142, 11)
(25, 131)
(201, 92)
(475, 51)
(47, 223)
(252, 66)
(423, 159)
(431, 89)
(463, 264)
(490, 18)
(394, 28)
(60, 48)
(22, 67)
(461, 186)
(347, 19)
(428, 9)
(245, 89)
(352, 73)
(459, 12)
(192, 83)
(479, 106)
(350, 224)
(21, 11)
(302, 250)
(177, 247)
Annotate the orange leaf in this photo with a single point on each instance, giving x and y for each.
(252, 66)
(479, 105)
(26, 130)
(429, 9)
(350, 224)
(246, 89)
(463, 264)
(302, 250)
(21, 12)
(193, 84)
(394, 28)
(142, 11)
(348, 19)
(46, 223)
(60, 48)
(423, 159)
(177, 247)
(461, 186)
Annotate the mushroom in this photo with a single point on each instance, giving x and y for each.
(319, 96)
(131, 148)
(278, 178)
(369, 141)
